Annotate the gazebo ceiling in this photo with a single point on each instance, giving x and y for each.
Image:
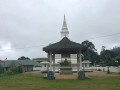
(65, 46)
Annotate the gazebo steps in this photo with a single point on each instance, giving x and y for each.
(66, 76)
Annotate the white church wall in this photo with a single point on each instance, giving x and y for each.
(73, 58)
(57, 58)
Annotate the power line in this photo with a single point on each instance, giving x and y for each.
(103, 36)
(78, 40)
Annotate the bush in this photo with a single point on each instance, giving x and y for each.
(1, 69)
(9, 73)
(20, 69)
(14, 70)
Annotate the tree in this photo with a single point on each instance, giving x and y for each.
(116, 61)
(103, 48)
(89, 45)
(106, 57)
(23, 58)
(116, 50)
(91, 53)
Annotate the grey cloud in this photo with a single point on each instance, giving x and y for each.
(25, 23)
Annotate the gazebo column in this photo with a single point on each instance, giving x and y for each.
(78, 64)
(81, 74)
(80, 57)
(50, 57)
(50, 74)
(49, 61)
(54, 63)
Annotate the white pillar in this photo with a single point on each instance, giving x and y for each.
(54, 62)
(78, 63)
(80, 58)
(50, 61)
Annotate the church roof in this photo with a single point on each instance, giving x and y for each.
(64, 45)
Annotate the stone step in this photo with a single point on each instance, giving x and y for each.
(66, 76)
(66, 73)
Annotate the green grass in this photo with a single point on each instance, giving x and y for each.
(36, 82)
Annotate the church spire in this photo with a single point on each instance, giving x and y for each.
(64, 32)
(64, 24)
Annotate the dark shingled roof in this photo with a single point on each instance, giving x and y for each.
(64, 45)
(8, 63)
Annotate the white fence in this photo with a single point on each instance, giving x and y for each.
(111, 69)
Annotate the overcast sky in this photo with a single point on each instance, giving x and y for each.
(29, 23)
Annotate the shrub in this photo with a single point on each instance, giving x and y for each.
(20, 69)
(14, 70)
(9, 72)
(1, 69)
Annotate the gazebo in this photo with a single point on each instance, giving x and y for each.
(65, 46)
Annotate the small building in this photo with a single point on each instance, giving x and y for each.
(26, 64)
(44, 64)
(86, 63)
(86, 66)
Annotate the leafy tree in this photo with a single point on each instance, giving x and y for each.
(103, 48)
(106, 57)
(92, 56)
(89, 45)
(91, 53)
(116, 50)
(23, 58)
(116, 61)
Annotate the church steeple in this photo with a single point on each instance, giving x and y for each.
(64, 32)
(64, 27)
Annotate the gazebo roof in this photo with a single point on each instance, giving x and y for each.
(65, 46)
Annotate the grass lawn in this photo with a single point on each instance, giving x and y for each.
(36, 82)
